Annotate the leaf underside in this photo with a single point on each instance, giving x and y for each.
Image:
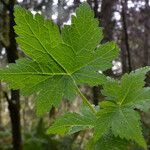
(57, 62)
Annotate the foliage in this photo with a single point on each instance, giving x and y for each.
(117, 113)
(57, 63)
(36, 138)
(108, 141)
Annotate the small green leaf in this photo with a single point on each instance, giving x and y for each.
(70, 123)
(123, 122)
(117, 113)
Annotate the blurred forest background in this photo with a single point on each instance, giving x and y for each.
(125, 21)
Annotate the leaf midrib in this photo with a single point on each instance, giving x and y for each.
(126, 94)
(52, 55)
(44, 46)
(129, 125)
(55, 58)
(91, 61)
(31, 73)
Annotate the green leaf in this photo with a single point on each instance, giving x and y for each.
(129, 91)
(116, 116)
(117, 113)
(141, 100)
(57, 63)
(31, 77)
(84, 33)
(37, 37)
(70, 123)
(123, 122)
(109, 141)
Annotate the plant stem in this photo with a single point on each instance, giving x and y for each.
(86, 101)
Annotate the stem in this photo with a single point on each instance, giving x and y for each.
(86, 101)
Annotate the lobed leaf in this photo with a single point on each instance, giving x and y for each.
(118, 112)
(125, 91)
(58, 62)
(70, 123)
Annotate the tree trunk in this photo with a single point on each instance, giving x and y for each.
(107, 9)
(125, 35)
(1, 104)
(76, 3)
(96, 3)
(14, 100)
(146, 32)
(123, 55)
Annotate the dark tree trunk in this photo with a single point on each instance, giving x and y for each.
(96, 3)
(89, 2)
(123, 55)
(96, 94)
(125, 35)
(107, 9)
(14, 111)
(59, 22)
(146, 32)
(14, 100)
(76, 3)
(1, 104)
